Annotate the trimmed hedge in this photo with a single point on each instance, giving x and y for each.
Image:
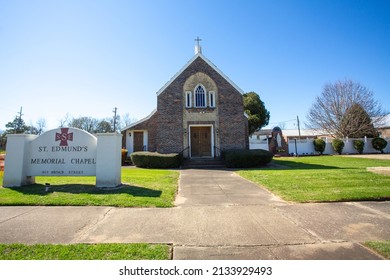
(247, 158)
(155, 160)
(319, 145)
(379, 144)
(338, 145)
(358, 145)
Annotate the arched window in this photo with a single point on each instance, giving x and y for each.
(200, 96)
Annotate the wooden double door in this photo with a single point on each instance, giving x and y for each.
(200, 141)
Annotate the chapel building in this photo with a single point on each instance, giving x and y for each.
(200, 112)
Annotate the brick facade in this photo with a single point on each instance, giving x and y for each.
(169, 127)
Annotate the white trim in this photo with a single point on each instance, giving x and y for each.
(209, 63)
(212, 137)
(130, 140)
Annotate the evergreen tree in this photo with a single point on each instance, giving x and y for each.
(258, 115)
(17, 126)
(356, 123)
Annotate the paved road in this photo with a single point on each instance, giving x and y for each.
(218, 215)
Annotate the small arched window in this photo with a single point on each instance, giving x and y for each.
(188, 99)
(200, 96)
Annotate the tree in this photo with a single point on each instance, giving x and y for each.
(85, 123)
(17, 126)
(356, 123)
(104, 126)
(126, 120)
(64, 121)
(94, 125)
(41, 125)
(258, 116)
(337, 100)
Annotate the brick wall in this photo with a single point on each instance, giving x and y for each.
(168, 127)
(149, 125)
(169, 131)
(231, 126)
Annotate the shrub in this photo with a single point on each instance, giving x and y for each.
(358, 145)
(155, 160)
(379, 144)
(247, 158)
(338, 145)
(124, 156)
(319, 145)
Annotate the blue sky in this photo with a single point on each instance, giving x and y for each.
(86, 57)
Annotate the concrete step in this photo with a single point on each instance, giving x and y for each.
(203, 164)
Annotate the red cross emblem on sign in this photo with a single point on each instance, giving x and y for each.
(64, 136)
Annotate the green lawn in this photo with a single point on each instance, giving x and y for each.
(84, 252)
(323, 178)
(381, 247)
(142, 188)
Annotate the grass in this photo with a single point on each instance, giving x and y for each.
(84, 252)
(381, 247)
(141, 188)
(323, 178)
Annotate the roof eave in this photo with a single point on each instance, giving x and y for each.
(140, 121)
(209, 63)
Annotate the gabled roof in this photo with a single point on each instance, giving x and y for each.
(140, 121)
(199, 54)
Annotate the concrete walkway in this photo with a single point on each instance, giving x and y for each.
(219, 215)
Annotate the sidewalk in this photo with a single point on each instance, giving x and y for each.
(219, 215)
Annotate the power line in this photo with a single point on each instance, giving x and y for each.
(282, 122)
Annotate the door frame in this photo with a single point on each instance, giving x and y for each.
(143, 140)
(212, 137)
(130, 140)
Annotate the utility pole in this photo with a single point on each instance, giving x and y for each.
(19, 120)
(299, 129)
(114, 111)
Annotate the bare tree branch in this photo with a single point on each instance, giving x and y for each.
(329, 109)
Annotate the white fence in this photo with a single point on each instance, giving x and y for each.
(306, 146)
(258, 143)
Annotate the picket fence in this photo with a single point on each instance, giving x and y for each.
(261, 143)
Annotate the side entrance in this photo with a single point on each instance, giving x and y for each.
(138, 141)
(201, 141)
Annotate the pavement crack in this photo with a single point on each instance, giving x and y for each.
(310, 232)
(84, 232)
(19, 215)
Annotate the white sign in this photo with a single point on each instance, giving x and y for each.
(63, 152)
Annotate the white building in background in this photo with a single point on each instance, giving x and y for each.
(301, 142)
